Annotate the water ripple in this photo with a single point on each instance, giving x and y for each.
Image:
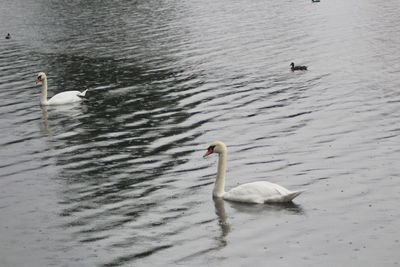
(119, 179)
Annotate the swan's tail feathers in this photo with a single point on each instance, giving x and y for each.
(289, 197)
(83, 94)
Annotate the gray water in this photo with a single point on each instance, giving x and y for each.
(120, 180)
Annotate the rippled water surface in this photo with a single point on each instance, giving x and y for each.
(119, 180)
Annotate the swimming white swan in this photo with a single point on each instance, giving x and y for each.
(256, 192)
(61, 98)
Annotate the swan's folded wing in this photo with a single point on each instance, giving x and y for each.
(284, 198)
(260, 192)
(83, 94)
(65, 98)
(257, 192)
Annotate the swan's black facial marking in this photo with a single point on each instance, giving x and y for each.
(210, 148)
(39, 78)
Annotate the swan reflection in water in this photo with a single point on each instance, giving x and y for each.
(286, 207)
(222, 220)
(219, 204)
(54, 117)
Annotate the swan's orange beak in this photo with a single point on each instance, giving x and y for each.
(210, 150)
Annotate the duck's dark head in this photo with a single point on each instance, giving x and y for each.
(292, 64)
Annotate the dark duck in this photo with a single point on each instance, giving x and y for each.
(293, 68)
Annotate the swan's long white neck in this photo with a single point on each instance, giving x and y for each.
(219, 186)
(43, 94)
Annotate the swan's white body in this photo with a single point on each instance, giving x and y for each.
(260, 192)
(256, 192)
(61, 98)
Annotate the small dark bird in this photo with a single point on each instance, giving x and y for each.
(8, 36)
(293, 68)
(315, 1)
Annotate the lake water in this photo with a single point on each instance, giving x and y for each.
(120, 180)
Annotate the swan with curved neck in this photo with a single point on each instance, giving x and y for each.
(256, 192)
(61, 98)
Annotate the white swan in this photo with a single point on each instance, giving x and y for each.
(61, 98)
(256, 192)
